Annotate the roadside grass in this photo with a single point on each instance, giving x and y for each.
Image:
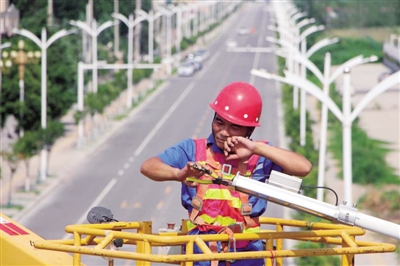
(379, 34)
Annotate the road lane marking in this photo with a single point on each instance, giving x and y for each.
(131, 159)
(95, 203)
(126, 165)
(120, 172)
(167, 189)
(160, 205)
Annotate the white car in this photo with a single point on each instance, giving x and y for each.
(231, 43)
(186, 69)
(201, 55)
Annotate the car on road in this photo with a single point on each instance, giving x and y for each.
(201, 55)
(243, 31)
(186, 69)
(197, 65)
(231, 43)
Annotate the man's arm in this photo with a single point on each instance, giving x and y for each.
(156, 170)
(292, 163)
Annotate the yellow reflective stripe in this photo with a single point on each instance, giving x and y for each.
(252, 230)
(220, 220)
(222, 194)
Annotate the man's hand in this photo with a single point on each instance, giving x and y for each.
(189, 171)
(238, 148)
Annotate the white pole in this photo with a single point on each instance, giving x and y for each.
(21, 99)
(178, 30)
(80, 103)
(94, 55)
(43, 153)
(346, 124)
(324, 125)
(169, 16)
(130, 55)
(303, 97)
(151, 32)
(43, 44)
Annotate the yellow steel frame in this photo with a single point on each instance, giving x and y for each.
(100, 235)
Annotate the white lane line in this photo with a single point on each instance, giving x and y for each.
(120, 172)
(163, 119)
(257, 57)
(171, 109)
(131, 159)
(95, 203)
(126, 165)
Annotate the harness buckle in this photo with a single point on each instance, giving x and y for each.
(246, 209)
(226, 169)
(197, 203)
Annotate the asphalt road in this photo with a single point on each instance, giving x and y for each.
(110, 176)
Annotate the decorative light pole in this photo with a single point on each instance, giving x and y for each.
(346, 117)
(130, 23)
(22, 58)
(43, 43)
(93, 31)
(307, 54)
(168, 13)
(7, 63)
(150, 17)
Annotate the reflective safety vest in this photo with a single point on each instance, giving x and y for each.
(216, 205)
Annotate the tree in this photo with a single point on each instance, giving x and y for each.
(12, 158)
(49, 135)
(25, 148)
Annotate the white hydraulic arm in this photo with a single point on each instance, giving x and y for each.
(283, 190)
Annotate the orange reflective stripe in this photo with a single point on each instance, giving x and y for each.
(204, 153)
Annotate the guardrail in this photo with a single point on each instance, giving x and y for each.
(98, 237)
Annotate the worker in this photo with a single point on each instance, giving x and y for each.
(229, 149)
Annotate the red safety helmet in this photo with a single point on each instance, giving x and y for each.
(239, 103)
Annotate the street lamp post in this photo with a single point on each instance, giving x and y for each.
(326, 79)
(168, 13)
(306, 54)
(7, 63)
(130, 23)
(150, 17)
(93, 31)
(44, 43)
(21, 58)
(346, 117)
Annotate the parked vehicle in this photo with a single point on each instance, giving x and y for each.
(186, 69)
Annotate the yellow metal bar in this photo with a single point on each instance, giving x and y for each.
(107, 240)
(98, 235)
(270, 247)
(77, 243)
(215, 256)
(202, 245)
(348, 259)
(279, 245)
(143, 229)
(189, 251)
(348, 239)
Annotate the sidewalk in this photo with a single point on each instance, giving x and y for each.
(380, 119)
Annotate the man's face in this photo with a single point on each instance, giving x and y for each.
(222, 129)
